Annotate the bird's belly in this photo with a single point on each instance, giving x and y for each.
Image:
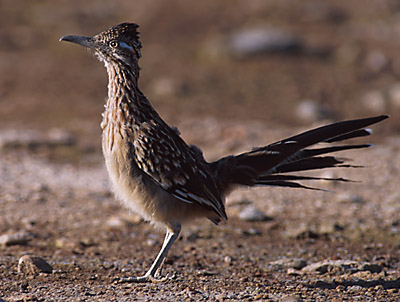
(127, 183)
(141, 194)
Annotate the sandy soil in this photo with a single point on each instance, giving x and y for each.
(311, 245)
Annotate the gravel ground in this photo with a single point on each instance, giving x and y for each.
(278, 245)
(270, 65)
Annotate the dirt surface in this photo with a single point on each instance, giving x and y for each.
(55, 201)
(68, 217)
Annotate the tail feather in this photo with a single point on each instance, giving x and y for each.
(279, 177)
(290, 184)
(290, 181)
(314, 152)
(353, 134)
(312, 163)
(335, 130)
(267, 165)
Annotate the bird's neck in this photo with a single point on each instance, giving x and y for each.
(126, 105)
(122, 82)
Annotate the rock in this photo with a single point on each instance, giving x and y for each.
(64, 243)
(374, 102)
(254, 41)
(331, 266)
(329, 227)
(291, 298)
(152, 242)
(164, 87)
(349, 198)
(261, 40)
(312, 111)
(29, 264)
(250, 213)
(376, 61)
(115, 222)
(228, 259)
(131, 218)
(394, 96)
(342, 267)
(59, 137)
(298, 263)
(355, 288)
(15, 239)
(122, 220)
(307, 110)
(13, 139)
(251, 232)
(301, 231)
(287, 264)
(293, 272)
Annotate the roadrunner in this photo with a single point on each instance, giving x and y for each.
(156, 174)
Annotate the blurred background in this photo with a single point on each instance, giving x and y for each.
(230, 75)
(278, 63)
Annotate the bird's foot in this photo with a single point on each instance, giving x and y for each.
(142, 279)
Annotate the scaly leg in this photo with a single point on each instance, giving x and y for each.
(155, 269)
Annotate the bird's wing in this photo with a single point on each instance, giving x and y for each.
(175, 167)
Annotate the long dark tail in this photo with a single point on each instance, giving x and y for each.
(269, 165)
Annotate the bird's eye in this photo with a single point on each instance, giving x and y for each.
(114, 44)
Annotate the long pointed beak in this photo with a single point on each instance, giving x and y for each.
(80, 40)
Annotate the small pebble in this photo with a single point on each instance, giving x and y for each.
(301, 231)
(29, 264)
(312, 111)
(349, 198)
(394, 95)
(228, 259)
(260, 40)
(21, 238)
(374, 102)
(342, 266)
(119, 221)
(376, 61)
(115, 222)
(151, 242)
(298, 263)
(293, 272)
(12, 139)
(250, 213)
(329, 266)
(355, 288)
(291, 298)
(287, 263)
(251, 232)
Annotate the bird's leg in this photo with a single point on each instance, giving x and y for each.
(158, 272)
(155, 269)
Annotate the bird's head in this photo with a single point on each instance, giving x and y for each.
(118, 45)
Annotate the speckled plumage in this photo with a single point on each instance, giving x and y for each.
(155, 173)
(153, 147)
